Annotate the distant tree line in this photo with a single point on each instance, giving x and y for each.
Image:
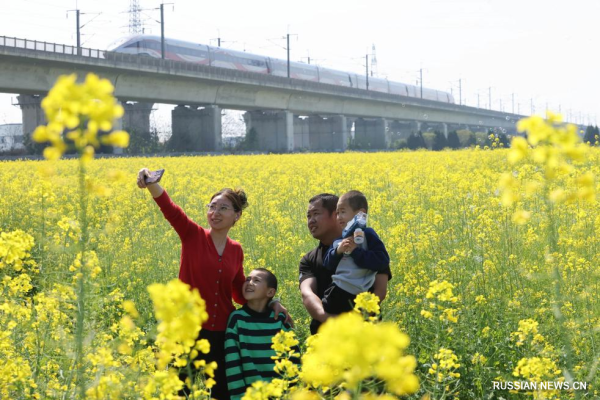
(437, 141)
(149, 142)
(592, 135)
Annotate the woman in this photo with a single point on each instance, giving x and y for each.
(210, 262)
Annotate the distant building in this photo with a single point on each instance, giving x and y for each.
(11, 137)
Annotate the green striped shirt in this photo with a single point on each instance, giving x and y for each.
(248, 348)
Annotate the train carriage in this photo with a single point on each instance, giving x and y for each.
(358, 81)
(399, 89)
(298, 70)
(428, 94)
(239, 60)
(379, 85)
(334, 77)
(150, 46)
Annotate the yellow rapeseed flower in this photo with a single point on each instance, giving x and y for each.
(76, 113)
(348, 350)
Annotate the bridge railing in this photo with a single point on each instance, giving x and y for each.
(189, 67)
(50, 47)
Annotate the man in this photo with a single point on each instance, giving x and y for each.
(322, 223)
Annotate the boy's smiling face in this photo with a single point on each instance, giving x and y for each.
(255, 287)
(344, 212)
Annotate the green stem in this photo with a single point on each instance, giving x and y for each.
(81, 283)
(553, 248)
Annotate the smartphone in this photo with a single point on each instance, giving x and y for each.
(154, 176)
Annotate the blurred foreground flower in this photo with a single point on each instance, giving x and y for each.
(552, 147)
(347, 350)
(77, 115)
(180, 312)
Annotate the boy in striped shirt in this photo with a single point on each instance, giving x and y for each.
(249, 334)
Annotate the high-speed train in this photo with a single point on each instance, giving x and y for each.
(146, 45)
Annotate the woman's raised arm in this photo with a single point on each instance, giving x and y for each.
(172, 212)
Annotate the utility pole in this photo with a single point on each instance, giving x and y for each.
(78, 34)
(477, 100)
(421, 81)
(77, 29)
(513, 103)
(490, 97)
(531, 106)
(162, 31)
(460, 92)
(367, 71)
(288, 55)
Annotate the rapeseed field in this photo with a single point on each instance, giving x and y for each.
(494, 256)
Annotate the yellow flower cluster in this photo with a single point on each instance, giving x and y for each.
(441, 291)
(478, 359)
(348, 350)
(16, 374)
(496, 143)
(14, 249)
(285, 345)
(76, 114)
(92, 265)
(446, 365)
(180, 312)
(554, 147)
(528, 328)
(537, 369)
(261, 390)
(367, 304)
(283, 342)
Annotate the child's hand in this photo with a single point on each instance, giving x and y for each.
(346, 246)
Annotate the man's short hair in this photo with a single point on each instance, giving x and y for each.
(356, 200)
(328, 201)
(270, 278)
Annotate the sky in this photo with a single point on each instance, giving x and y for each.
(543, 52)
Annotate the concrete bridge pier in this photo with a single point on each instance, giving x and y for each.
(443, 127)
(33, 115)
(372, 133)
(197, 130)
(185, 125)
(328, 133)
(274, 129)
(210, 129)
(136, 120)
(301, 133)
